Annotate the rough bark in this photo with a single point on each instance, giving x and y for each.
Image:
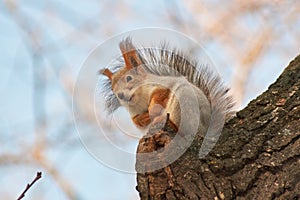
(256, 157)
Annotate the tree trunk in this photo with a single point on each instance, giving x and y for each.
(256, 157)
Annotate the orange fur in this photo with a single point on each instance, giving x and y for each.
(107, 73)
(142, 120)
(130, 55)
(158, 99)
(158, 103)
(161, 97)
(116, 76)
(132, 60)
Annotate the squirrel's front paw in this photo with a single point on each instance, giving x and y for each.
(155, 111)
(142, 120)
(164, 122)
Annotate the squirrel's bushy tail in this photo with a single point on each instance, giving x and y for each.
(163, 61)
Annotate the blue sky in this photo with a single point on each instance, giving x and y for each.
(66, 33)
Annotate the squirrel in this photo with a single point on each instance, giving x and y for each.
(157, 84)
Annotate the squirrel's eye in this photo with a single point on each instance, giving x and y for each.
(128, 78)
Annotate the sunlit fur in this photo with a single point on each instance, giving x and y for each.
(166, 61)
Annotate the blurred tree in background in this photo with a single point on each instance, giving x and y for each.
(43, 44)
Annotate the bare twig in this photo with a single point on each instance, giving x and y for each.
(38, 176)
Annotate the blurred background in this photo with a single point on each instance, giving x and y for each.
(44, 43)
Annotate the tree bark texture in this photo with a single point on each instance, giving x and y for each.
(256, 157)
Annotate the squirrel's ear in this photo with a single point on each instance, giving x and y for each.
(106, 72)
(130, 54)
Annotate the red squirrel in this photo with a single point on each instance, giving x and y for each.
(154, 83)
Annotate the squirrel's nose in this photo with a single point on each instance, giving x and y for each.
(121, 95)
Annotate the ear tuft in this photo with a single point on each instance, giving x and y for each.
(130, 54)
(106, 72)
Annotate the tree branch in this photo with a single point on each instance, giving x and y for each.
(256, 157)
(38, 176)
